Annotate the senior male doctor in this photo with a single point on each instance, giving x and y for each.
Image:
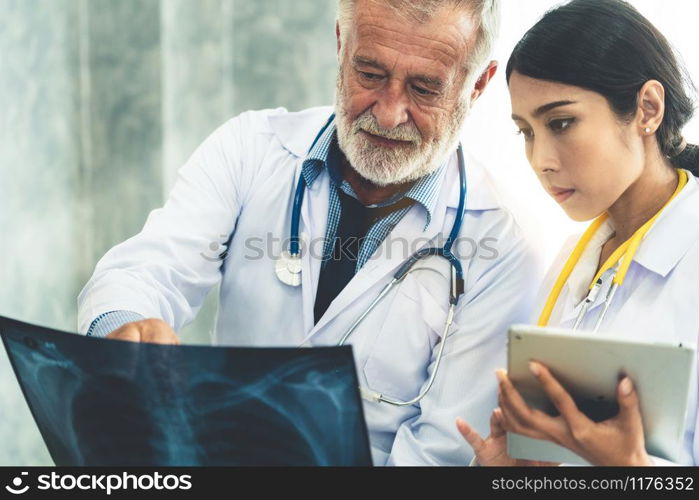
(380, 179)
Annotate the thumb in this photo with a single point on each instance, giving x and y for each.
(627, 397)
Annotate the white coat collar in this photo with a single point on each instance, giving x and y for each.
(666, 243)
(673, 233)
(297, 130)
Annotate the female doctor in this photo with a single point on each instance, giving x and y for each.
(600, 100)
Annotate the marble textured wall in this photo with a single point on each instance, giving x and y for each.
(102, 101)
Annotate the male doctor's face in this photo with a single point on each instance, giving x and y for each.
(400, 90)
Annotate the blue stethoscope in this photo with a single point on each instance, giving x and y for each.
(288, 270)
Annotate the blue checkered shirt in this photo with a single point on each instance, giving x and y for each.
(325, 155)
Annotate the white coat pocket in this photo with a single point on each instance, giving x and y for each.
(397, 364)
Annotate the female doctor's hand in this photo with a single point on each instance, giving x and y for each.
(153, 330)
(492, 451)
(616, 441)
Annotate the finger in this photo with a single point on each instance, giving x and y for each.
(158, 332)
(511, 402)
(519, 417)
(470, 435)
(560, 398)
(509, 421)
(496, 423)
(508, 417)
(174, 339)
(158, 337)
(128, 332)
(629, 405)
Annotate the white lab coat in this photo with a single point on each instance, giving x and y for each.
(241, 183)
(659, 299)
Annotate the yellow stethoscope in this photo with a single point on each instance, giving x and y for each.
(624, 253)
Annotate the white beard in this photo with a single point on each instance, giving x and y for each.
(385, 166)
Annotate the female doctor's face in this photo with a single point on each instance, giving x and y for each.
(582, 153)
(400, 102)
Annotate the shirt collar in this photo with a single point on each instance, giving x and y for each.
(426, 192)
(584, 271)
(317, 157)
(675, 231)
(664, 245)
(325, 151)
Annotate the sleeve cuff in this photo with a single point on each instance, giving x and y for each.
(661, 462)
(106, 323)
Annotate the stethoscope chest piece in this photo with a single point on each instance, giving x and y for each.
(288, 269)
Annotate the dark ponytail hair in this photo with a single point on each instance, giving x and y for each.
(608, 47)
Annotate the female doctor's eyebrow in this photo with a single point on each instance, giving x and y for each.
(544, 108)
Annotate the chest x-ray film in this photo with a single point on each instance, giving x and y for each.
(110, 402)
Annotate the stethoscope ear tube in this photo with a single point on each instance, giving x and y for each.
(387, 288)
(405, 268)
(456, 289)
(370, 395)
(457, 286)
(456, 228)
(294, 245)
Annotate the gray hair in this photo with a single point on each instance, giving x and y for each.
(487, 12)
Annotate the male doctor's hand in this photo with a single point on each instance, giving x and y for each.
(615, 441)
(153, 330)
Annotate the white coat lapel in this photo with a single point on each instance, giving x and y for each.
(296, 132)
(570, 311)
(661, 250)
(571, 307)
(385, 262)
(314, 221)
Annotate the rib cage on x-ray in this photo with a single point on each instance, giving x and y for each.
(104, 402)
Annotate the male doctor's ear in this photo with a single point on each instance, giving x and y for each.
(483, 80)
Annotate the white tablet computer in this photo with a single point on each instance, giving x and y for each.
(589, 366)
